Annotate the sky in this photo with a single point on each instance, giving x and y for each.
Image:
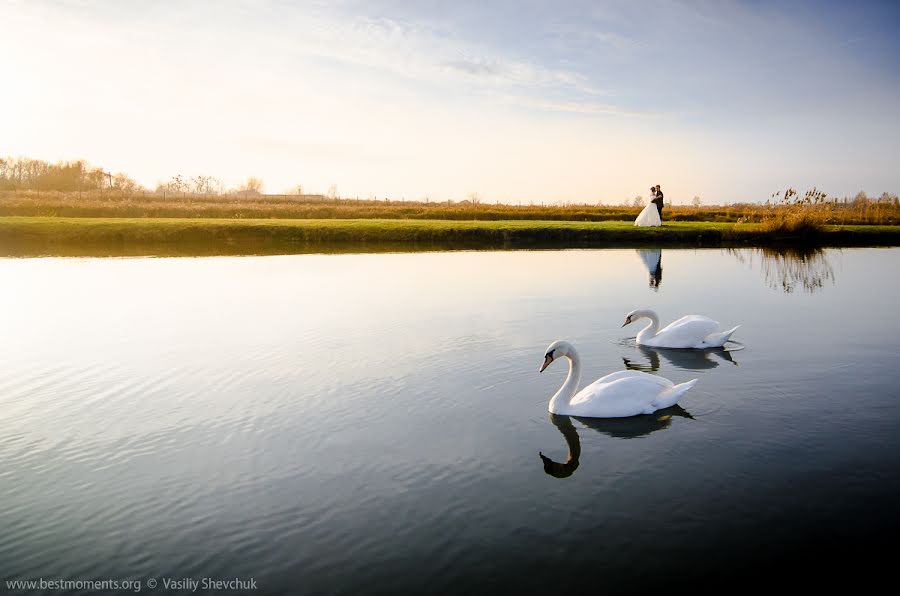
(516, 101)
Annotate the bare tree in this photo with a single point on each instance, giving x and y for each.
(124, 184)
(696, 202)
(203, 185)
(253, 186)
(638, 201)
(176, 184)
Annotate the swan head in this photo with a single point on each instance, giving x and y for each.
(556, 350)
(637, 315)
(558, 470)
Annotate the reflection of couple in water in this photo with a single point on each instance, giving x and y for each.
(651, 216)
(653, 260)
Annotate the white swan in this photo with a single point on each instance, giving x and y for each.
(690, 331)
(617, 395)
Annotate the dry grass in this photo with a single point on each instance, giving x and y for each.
(799, 222)
(788, 218)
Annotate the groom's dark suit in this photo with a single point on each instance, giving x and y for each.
(659, 203)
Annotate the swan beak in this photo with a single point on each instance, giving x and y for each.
(626, 322)
(547, 361)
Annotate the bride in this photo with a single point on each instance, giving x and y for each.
(650, 215)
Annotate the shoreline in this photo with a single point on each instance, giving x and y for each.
(73, 236)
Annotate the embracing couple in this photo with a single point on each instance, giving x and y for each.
(652, 213)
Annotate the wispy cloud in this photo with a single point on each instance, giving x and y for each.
(420, 52)
(587, 108)
(570, 32)
(475, 68)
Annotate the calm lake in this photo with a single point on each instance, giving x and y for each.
(372, 423)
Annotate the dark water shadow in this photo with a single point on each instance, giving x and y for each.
(683, 359)
(632, 427)
(224, 238)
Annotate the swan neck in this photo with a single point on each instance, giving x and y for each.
(566, 469)
(650, 330)
(560, 401)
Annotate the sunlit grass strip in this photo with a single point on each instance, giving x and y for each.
(196, 236)
(34, 204)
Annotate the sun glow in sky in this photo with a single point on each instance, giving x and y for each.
(516, 101)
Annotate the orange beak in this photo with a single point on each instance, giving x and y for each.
(547, 361)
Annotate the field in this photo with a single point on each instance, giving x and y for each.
(196, 236)
(110, 223)
(181, 205)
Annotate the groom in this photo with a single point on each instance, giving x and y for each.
(658, 200)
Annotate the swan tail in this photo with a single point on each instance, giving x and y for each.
(717, 340)
(669, 397)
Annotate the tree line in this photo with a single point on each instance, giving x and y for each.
(24, 173)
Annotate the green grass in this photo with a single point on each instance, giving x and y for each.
(200, 236)
(178, 205)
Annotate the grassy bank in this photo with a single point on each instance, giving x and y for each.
(187, 205)
(20, 236)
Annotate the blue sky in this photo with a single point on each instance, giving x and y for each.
(516, 101)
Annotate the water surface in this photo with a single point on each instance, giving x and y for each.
(373, 423)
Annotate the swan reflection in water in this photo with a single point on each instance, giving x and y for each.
(619, 428)
(683, 359)
(652, 259)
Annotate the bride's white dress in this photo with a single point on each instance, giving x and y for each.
(648, 217)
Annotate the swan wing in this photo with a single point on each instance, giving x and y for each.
(623, 374)
(621, 394)
(687, 332)
(717, 340)
(670, 396)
